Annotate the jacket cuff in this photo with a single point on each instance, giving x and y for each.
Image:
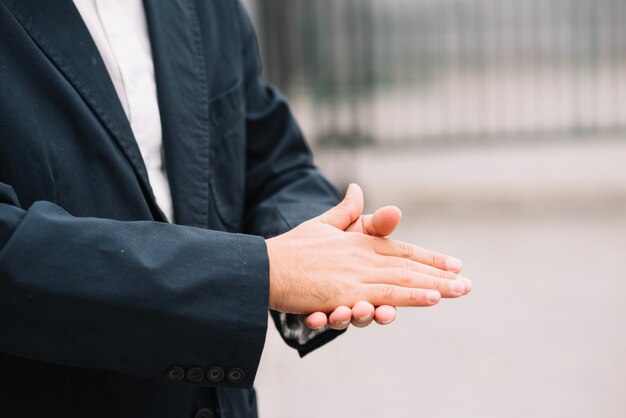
(297, 335)
(239, 315)
(253, 305)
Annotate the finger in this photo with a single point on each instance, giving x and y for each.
(384, 221)
(402, 249)
(340, 318)
(316, 320)
(406, 278)
(385, 314)
(362, 314)
(425, 269)
(346, 212)
(467, 283)
(379, 224)
(417, 267)
(388, 294)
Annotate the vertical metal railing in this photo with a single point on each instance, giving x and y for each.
(411, 72)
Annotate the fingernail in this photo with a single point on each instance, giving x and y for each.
(388, 321)
(433, 297)
(458, 287)
(350, 190)
(364, 318)
(467, 282)
(453, 263)
(342, 324)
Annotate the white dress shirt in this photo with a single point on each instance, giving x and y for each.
(120, 31)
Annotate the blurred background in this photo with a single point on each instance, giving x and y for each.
(499, 128)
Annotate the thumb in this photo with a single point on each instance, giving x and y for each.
(346, 212)
(384, 221)
(381, 223)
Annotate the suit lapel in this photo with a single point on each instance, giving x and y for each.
(181, 76)
(59, 31)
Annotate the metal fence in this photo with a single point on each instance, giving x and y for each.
(415, 72)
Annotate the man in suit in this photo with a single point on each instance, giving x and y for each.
(148, 180)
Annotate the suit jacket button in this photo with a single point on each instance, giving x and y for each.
(215, 374)
(195, 375)
(204, 413)
(235, 375)
(176, 373)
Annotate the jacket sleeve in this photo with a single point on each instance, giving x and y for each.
(283, 187)
(134, 297)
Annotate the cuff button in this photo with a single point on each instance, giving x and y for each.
(215, 374)
(235, 375)
(176, 373)
(204, 413)
(195, 375)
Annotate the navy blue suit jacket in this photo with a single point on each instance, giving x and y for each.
(107, 310)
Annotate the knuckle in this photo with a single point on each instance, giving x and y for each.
(388, 292)
(406, 250)
(439, 285)
(415, 297)
(442, 274)
(373, 242)
(433, 259)
(376, 244)
(404, 277)
(361, 241)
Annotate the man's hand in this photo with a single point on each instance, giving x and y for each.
(318, 266)
(381, 223)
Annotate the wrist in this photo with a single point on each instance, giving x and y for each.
(275, 294)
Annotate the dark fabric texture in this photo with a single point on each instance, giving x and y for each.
(103, 304)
